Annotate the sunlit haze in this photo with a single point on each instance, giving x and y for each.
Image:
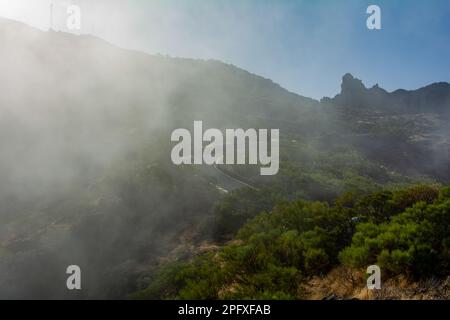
(305, 46)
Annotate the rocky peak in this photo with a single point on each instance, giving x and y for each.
(351, 84)
(354, 94)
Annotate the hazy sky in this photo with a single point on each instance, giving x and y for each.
(304, 45)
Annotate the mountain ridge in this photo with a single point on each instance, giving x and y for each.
(348, 78)
(355, 94)
(86, 172)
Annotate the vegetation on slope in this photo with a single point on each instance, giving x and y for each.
(403, 231)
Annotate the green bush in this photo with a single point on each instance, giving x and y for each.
(413, 242)
(404, 232)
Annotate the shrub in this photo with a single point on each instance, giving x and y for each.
(413, 242)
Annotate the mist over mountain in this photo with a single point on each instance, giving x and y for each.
(403, 128)
(85, 169)
(434, 98)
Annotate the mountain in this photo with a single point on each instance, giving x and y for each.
(434, 98)
(86, 176)
(85, 172)
(405, 130)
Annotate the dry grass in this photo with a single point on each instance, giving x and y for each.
(343, 283)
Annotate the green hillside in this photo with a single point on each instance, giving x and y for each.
(86, 177)
(403, 231)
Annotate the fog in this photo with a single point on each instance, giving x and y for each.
(85, 169)
(86, 172)
(293, 42)
(77, 113)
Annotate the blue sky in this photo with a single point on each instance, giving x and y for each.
(304, 45)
